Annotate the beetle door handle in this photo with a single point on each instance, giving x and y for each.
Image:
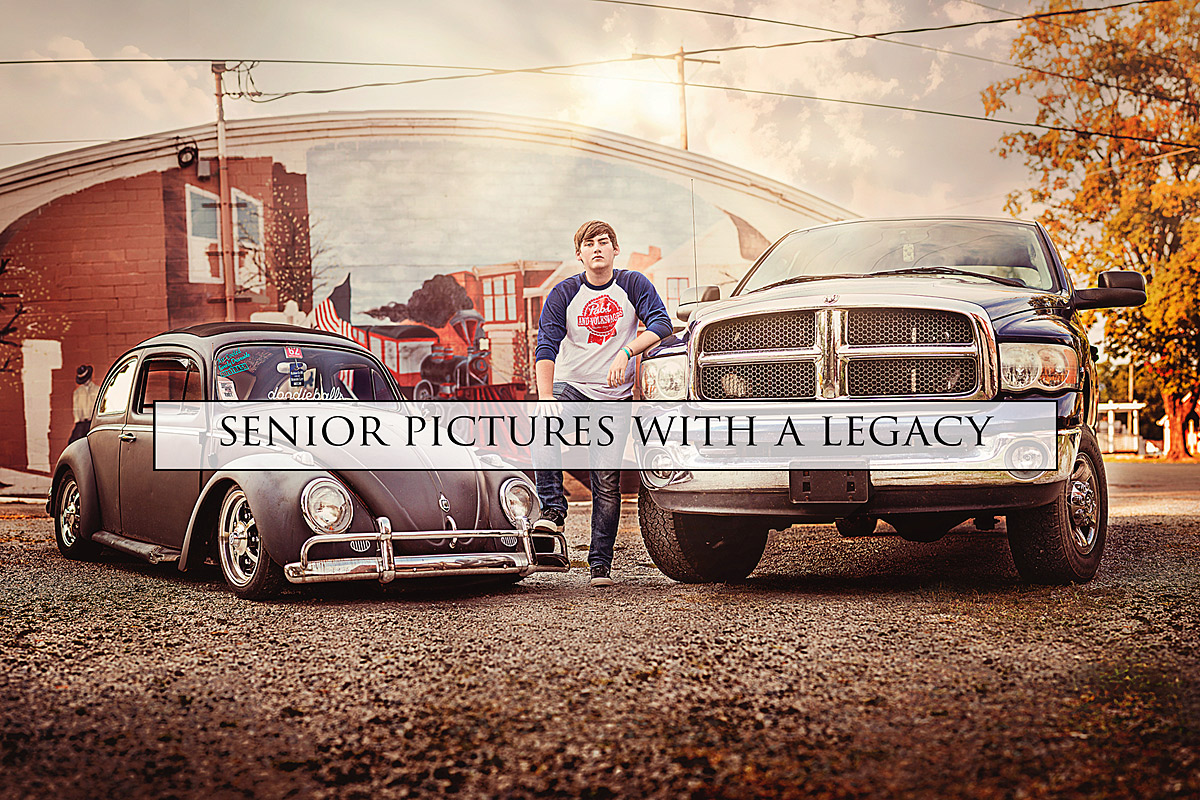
(126, 436)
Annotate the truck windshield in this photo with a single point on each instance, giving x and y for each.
(1002, 252)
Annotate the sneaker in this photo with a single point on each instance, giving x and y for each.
(548, 524)
(600, 576)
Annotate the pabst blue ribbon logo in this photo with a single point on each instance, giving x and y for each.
(600, 317)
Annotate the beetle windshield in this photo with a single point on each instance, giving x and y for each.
(1001, 252)
(256, 371)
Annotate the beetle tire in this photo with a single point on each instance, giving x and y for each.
(68, 533)
(250, 572)
(694, 548)
(1063, 542)
(854, 527)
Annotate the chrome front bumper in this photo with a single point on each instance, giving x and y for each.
(388, 566)
(767, 492)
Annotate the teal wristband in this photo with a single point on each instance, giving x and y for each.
(628, 353)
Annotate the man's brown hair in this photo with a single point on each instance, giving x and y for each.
(592, 229)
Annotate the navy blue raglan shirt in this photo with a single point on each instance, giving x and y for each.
(583, 327)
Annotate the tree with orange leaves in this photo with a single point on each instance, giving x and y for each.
(1117, 169)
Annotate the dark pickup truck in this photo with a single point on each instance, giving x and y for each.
(891, 310)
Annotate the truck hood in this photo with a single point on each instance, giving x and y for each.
(996, 299)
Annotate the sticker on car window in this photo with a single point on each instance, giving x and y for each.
(232, 362)
(226, 390)
(292, 352)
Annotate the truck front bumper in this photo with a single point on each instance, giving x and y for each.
(767, 492)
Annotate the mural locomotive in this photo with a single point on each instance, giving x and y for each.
(449, 362)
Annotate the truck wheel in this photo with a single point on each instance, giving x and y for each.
(248, 568)
(696, 548)
(1062, 542)
(853, 527)
(68, 533)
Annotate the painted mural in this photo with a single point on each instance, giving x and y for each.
(433, 248)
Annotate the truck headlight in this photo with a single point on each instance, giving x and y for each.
(519, 500)
(664, 378)
(1048, 367)
(326, 506)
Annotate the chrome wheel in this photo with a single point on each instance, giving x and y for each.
(1063, 542)
(68, 513)
(238, 541)
(1083, 505)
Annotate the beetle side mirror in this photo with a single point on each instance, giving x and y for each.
(1118, 288)
(693, 297)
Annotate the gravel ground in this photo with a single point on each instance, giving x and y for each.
(842, 668)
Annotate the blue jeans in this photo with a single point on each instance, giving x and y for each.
(606, 488)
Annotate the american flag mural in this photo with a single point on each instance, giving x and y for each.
(334, 310)
(402, 357)
(331, 316)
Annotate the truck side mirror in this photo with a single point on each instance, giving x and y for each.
(1118, 288)
(693, 297)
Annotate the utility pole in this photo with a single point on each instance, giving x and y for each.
(681, 61)
(225, 209)
(681, 58)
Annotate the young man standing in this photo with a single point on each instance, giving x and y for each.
(587, 340)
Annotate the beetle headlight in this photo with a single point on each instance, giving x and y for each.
(1049, 367)
(664, 378)
(519, 500)
(326, 506)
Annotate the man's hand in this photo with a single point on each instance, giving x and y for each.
(548, 408)
(616, 373)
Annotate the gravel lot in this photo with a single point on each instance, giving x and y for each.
(842, 668)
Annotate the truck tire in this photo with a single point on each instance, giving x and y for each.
(699, 548)
(1062, 542)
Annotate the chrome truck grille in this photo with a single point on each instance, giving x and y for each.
(764, 332)
(792, 381)
(845, 353)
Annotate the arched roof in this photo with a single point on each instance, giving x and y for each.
(28, 185)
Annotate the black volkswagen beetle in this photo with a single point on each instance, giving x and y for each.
(267, 527)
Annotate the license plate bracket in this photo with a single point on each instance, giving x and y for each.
(828, 485)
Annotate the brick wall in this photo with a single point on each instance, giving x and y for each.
(102, 269)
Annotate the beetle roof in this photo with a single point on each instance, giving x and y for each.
(211, 336)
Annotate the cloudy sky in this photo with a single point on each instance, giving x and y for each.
(870, 160)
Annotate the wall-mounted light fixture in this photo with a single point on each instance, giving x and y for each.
(186, 155)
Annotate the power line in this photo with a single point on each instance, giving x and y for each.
(261, 97)
(56, 141)
(886, 106)
(878, 37)
(1122, 45)
(843, 101)
(927, 29)
(302, 61)
(268, 97)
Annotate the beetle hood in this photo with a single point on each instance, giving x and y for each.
(415, 495)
